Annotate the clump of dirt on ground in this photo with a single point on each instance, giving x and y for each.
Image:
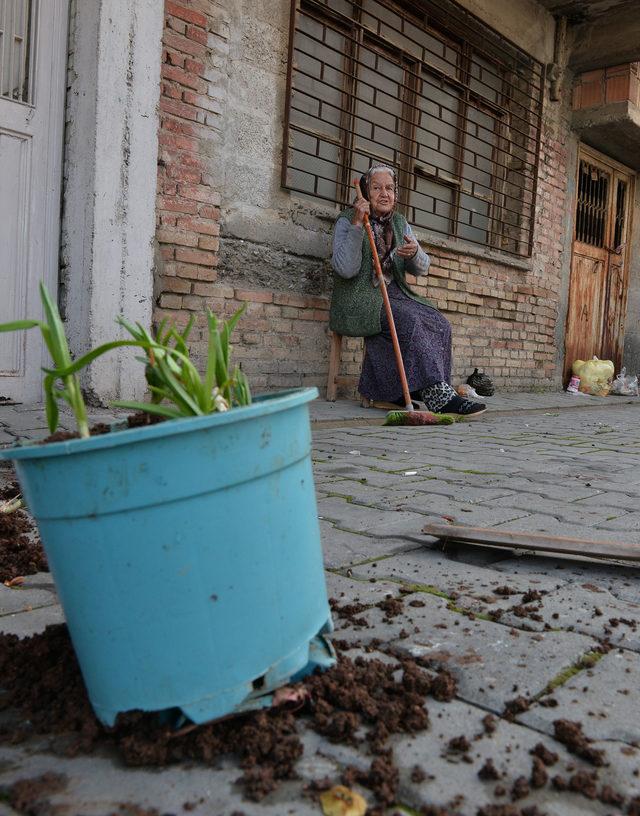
(42, 683)
(570, 734)
(28, 795)
(21, 552)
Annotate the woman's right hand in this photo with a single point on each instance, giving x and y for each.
(361, 207)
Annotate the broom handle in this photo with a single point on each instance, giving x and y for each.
(387, 306)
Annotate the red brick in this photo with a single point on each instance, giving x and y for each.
(189, 15)
(177, 74)
(198, 192)
(212, 213)
(254, 297)
(194, 66)
(209, 242)
(171, 301)
(177, 108)
(176, 204)
(196, 256)
(200, 225)
(175, 171)
(177, 285)
(197, 34)
(174, 236)
(180, 43)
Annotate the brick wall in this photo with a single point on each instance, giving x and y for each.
(282, 338)
(504, 317)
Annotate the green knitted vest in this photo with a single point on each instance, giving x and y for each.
(356, 302)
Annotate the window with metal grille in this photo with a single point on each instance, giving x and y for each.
(429, 89)
(16, 49)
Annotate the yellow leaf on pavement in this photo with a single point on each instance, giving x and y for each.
(341, 801)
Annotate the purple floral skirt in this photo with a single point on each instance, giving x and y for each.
(425, 341)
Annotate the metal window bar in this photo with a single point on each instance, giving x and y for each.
(592, 204)
(469, 186)
(403, 121)
(408, 12)
(451, 79)
(533, 69)
(621, 210)
(17, 50)
(402, 202)
(506, 194)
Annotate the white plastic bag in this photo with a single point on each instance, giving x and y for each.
(625, 385)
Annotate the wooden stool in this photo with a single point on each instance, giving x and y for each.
(334, 379)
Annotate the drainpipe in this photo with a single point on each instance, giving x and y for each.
(555, 70)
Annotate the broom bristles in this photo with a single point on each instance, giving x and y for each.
(418, 418)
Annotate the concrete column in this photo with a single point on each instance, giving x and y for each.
(110, 182)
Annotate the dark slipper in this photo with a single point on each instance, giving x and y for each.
(463, 407)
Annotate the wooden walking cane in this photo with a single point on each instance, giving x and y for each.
(387, 307)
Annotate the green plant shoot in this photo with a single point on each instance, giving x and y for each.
(176, 386)
(54, 337)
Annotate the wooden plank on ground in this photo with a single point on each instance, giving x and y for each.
(536, 541)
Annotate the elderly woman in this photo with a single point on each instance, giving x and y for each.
(357, 308)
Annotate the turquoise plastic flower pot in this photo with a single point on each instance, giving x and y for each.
(187, 557)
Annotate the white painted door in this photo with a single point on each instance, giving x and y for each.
(33, 59)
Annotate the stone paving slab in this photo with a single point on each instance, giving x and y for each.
(360, 518)
(31, 622)
(492, 663)
(427, 567)
(99, 785)
(602, 698)
(588, 609)
(508, 748)
(20, 599)
(537, 523)
(342, 548)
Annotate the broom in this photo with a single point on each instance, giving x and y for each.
(408, 416)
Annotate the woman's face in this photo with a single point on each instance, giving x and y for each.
(382, 193)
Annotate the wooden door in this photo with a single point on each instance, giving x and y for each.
(33, 58)
(599, 266)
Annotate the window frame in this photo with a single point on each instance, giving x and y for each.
(495, 224)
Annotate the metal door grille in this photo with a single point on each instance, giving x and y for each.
(451, 104)
(17, 50)
(592, 204)
(621, 215)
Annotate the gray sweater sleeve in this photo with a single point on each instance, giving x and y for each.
(347, 251)
(347, 248)
(419, 264)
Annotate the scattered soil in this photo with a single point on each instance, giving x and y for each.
(137, 420)
(505, 591)
(516, 706)
(349, 612)
(392, 607)
(520, 788)
(539, 775)
(459, 745)
(489, 723)
(509, 810)
(489, 771)
(59, 436)
(570, 734)
(545, 754)
(532, 595)
(357, 699)
(29, 795)
(141, 418)
(21, 552)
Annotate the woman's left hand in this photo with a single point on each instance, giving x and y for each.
(409, 248)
